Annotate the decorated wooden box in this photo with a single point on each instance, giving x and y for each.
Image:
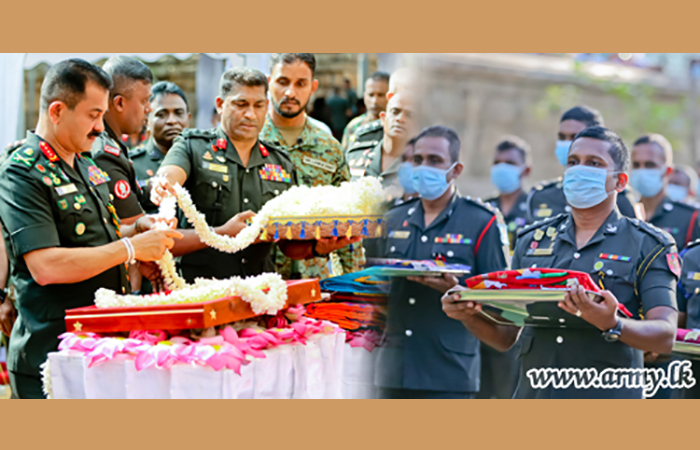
(317, 227)
(181, 316)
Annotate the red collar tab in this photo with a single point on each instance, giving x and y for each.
(263, 151)
(221, 143)
(48, 151)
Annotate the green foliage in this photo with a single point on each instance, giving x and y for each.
(645, 110)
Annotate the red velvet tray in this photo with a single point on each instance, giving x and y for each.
(182, 316)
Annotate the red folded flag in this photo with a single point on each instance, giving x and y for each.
(349, 316)
(536, 278)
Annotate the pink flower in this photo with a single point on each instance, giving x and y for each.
(150, 336)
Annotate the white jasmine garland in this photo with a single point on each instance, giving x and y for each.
(251, 290)
(172, 280)
(47, 385)
(362, 197)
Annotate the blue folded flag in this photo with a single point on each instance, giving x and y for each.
(365, 281)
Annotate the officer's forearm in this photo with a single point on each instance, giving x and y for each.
(297, 249)
(57, 265)
(4, 264)
(656, 333)
(500, 337)
(189, 243)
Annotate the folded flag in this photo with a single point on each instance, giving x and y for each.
(525, 282)
(364, 282)
(349, 316)
(407, 267)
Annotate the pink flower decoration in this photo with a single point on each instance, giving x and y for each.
(150, 336)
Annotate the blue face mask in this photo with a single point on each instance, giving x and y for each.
(430, 182)
(677, 193)
(562, 152)
(647, 182)
(584, 187)
(404, 173)
(506, 177)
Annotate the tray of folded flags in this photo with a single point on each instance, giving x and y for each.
(189, 315)
(687, 343)
(415, 268)
(511, 291)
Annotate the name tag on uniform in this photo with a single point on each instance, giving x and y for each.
(357, 172)
(220, 168)
(66, 189)
(399, 234)
(320, 164)
(540, 251)
(694, 276)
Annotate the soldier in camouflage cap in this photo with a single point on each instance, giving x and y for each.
(376, 88)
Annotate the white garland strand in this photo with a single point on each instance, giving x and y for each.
(361, 197)
(251, 290)
(172, 280)
(47, 384)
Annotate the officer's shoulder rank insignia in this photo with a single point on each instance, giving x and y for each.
(26, 157)
(692, 244)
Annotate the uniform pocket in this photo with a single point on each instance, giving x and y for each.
(271, 189)
(525, 343)
(454, 253)
(397, 248)
(463, 344)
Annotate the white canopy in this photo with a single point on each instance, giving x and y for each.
(12, 66)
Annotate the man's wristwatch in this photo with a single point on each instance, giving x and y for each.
(613, 334)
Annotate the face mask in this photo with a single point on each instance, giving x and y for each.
(584, 187)
(562, 152)
(677, 193)
(647, 182)
(506, 177)
(430, 182)
(404, 174)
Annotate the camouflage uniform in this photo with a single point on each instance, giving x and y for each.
(352, 127)
(366, 136)
(319, 161)
(366, 160)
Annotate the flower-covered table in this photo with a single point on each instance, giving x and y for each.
(306, 359)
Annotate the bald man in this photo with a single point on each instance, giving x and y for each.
(370, 134)
(382, 159)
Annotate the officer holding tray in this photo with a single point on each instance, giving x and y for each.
(635, 263)
(229, 174)
(427, 354)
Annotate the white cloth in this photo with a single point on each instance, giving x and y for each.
(67, 378)
(358, 374)
(326, 367)
(11, 90)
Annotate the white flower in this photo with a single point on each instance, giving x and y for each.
(251, 290)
